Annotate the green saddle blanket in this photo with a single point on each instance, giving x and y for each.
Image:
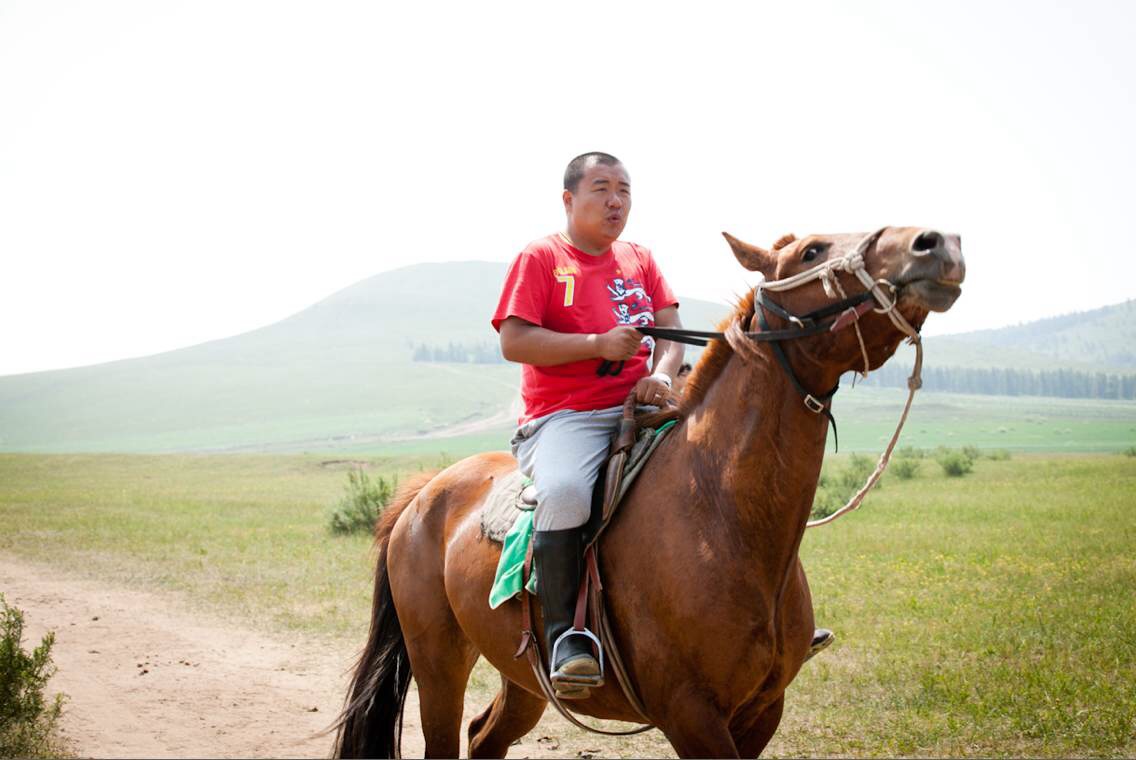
(515, 542)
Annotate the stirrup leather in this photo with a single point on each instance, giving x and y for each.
(566, 678)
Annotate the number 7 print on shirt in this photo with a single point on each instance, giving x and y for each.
(569, 287)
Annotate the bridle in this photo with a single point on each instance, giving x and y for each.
(836, 316)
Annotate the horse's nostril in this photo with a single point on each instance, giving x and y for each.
(927, 240)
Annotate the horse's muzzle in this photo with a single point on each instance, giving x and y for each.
(933, 270)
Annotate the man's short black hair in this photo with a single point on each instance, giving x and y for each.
(578, 165)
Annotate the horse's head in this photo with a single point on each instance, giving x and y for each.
(921, 270)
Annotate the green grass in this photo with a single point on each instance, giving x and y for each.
(987, 615)
(244, 535)
(867, 417)
(984, 615)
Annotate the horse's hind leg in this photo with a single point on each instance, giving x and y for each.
(441, 659)
(441, 656)
(512, 714)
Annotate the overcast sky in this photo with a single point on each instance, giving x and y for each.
(174, 172)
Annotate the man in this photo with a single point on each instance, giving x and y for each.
(568, 312)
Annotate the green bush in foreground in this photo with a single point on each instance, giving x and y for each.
(27, 720)
(1130, 451)
(360, 508)
(834, 491)
(905, 469)
(955, 463)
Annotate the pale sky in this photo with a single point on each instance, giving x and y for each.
(175, 172)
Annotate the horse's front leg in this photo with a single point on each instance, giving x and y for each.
(696, 727)
(753, 737)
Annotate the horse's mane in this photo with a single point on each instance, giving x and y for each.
(705, 372)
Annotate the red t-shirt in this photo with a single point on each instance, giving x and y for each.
(556, 286)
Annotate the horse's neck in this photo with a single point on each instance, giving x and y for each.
(753, 437)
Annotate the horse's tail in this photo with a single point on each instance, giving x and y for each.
(371, 722)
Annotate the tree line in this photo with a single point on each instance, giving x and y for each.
(485, 352)
(1062, 383)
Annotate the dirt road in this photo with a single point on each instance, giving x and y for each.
(146, 676)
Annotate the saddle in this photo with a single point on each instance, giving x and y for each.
(508, 518)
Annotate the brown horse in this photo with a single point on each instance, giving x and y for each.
(709, 602)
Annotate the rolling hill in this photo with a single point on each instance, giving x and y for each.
(338, 373)
(341, 374)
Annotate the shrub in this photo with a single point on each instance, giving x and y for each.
(909, 452)
(998, 455)
(1130, 451)
(27, 720)
(834, 491)
(860, 468)
(955, 463)
(360, 508)
(825, 503)
(973, 453)
(905, 469)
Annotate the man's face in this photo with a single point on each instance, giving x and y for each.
(597, 211)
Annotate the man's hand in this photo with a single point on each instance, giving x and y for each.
(652, 390)
(619, 343)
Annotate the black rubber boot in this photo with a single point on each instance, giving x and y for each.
(559, 559)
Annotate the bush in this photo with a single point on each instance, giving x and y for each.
(998, 455)
(909, 452)
(360, 508)
(955, 463)
(1130, 451)
(973, 453)
(860, 468)
(824, 504)
(27, 720)
(834, 491)
(905, 469)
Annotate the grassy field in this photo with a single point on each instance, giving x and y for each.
(990, 615)
(866, 418)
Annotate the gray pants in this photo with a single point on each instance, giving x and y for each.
(562, 452)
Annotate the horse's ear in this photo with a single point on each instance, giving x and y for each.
(750, 256)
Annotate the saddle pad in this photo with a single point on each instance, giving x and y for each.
(503, 505)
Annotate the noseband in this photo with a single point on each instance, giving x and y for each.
(836, 316)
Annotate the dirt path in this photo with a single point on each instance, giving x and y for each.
(146, 677)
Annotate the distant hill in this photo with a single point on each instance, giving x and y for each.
(1104, 339)
(1090, 354)
(338, 373)
(342, 373)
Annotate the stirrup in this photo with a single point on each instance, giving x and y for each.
(568, 679)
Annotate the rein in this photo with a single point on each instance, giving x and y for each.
(844, 313)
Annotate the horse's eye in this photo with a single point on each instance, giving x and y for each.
(812, 252)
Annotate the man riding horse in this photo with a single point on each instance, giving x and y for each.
(568, 312)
